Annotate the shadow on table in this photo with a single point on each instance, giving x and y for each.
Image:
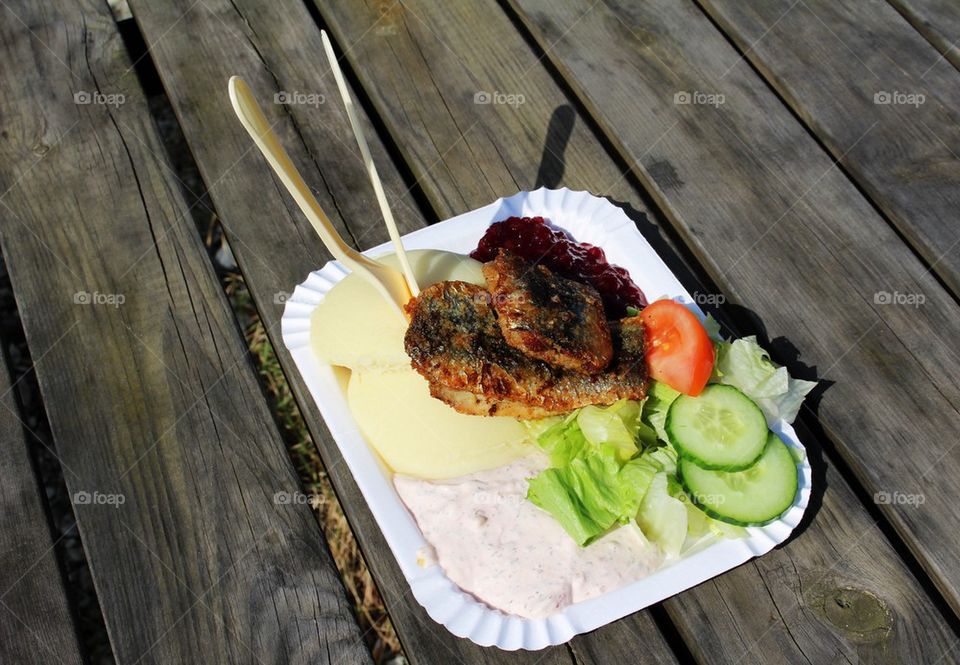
(737, 320)
(559, 130)
(807, 424)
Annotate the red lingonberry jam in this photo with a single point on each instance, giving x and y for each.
(532, 239)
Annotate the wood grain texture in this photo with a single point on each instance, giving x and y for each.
(756, 615)
(35, 621)
(837, 592)
(787, 235)
(446, 53)
(276, 46)
(938, 21)
(473, 112)
(169, 449)
(852, 65)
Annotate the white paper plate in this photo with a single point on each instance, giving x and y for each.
(588, 219)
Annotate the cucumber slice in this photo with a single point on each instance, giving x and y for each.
(752, 497)
(719, 429)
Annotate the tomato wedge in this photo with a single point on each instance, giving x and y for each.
(678, 349)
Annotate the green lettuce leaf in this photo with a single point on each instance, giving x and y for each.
(712, 326)
(744, 364)
(659, 398)
(634, 481)
(613, 465)
(616, 425)
(549, 491)
(647, 437)
(537, 427)
(663, 518)
(596, 479)
(593, 492)
(698, 522)
(664, 457)
(562, 441)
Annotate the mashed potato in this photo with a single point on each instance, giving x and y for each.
(417, 435)
(412, 432)
(353, 327)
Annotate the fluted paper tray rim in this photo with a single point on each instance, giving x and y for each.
(588, 218)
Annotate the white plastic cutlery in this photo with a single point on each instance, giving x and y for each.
(388, 281)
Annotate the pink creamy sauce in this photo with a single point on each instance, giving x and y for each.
(512, 555)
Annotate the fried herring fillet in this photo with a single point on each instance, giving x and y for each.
(455, 342)
(547, 316)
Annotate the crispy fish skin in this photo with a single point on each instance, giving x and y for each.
(549, 317)
(455, 342)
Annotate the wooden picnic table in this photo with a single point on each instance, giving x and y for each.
(795, 162)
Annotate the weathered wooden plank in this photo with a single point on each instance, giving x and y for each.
(785, 233)
(167, 444)
(938, 21)
(909, 605)
(849, 66)
(839, 589)
(276, 46)
(35, 621)
(446, 53)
